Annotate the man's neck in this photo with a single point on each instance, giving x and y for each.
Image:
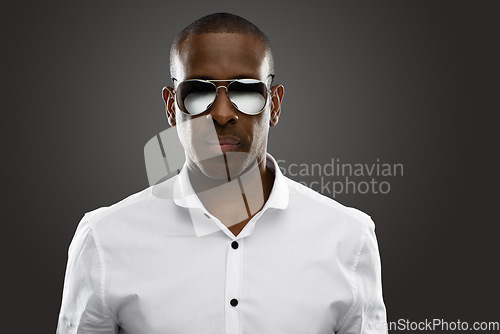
(234, 203)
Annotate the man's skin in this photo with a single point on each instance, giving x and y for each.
(226, 56)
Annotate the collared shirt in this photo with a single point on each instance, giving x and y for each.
(159, 262)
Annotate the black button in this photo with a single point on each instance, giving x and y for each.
(234, 302)
(206, 215)
(234, 244)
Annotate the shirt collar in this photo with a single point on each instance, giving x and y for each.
(185, 196)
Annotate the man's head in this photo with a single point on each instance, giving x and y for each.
(222, 47)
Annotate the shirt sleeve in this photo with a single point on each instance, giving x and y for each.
(83, 308)
(368, 313)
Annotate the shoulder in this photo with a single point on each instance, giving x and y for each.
(304, 199)
(125, 205)
(327, 223)
(133, 209)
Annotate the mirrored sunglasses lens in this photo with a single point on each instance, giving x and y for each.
(249, 98)
(196, 96)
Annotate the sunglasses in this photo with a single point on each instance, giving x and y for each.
(195, 96)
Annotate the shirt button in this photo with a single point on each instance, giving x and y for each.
(234, 302)
(206, 215)
(234, 244)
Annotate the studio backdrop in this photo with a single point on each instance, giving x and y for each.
(388, 108)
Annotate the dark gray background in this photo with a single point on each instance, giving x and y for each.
(406, 82)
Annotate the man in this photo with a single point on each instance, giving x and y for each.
(229, 245)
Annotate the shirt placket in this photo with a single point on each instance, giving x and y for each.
(232, 299)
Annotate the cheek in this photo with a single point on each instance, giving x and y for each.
(265, 117)
(184, 130)
(260, 129)
(183, 134)
(195, 132)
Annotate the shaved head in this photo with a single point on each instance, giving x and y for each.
(219, 23)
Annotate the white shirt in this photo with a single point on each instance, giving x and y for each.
(155, 264)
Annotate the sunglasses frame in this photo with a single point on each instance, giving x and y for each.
(230, 81)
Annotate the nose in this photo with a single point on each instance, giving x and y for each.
(222, 110)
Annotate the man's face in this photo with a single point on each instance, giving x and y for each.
(223, 128)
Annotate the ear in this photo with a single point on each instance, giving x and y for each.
(277, 93)
(169, 99)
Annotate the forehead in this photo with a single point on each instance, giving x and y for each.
(222, 56)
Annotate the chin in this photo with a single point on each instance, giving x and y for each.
(227, 166)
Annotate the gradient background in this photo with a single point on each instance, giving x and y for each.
(406, 82)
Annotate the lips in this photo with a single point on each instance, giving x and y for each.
(225, 144)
